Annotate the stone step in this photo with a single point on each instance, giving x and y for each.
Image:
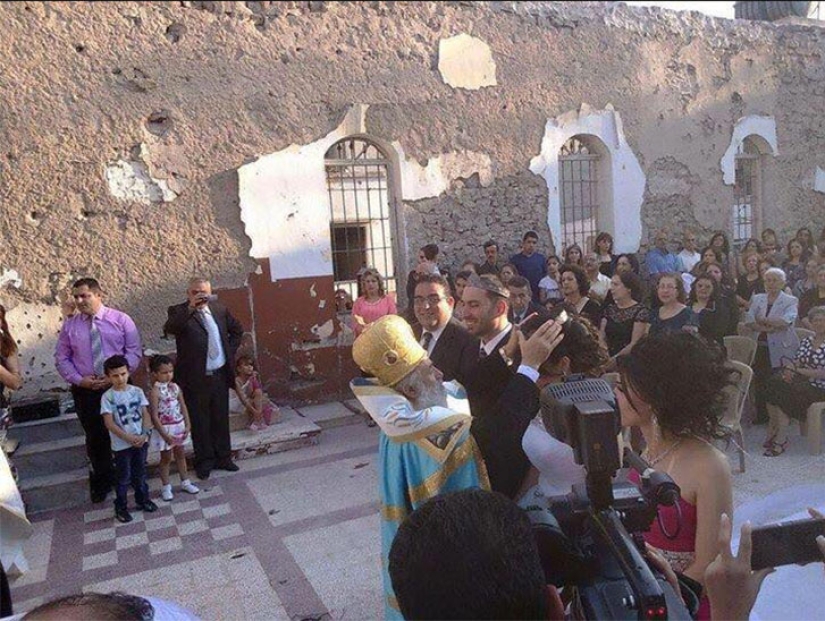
(58, 489)
(46, 430)
(333, 414)
(47, 458)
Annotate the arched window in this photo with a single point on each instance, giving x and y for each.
(584, 190)
(747, 190)
(358, 185)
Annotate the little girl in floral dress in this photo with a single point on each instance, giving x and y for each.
(171, 420)
(250, 395)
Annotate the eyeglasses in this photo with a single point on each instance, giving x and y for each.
(666, 286)
(430, 300)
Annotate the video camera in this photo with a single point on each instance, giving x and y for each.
(591, 538)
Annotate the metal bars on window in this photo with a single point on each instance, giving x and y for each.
(579, 193)
(359, 205)
(745, 193)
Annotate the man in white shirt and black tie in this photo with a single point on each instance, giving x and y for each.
(207, 338)
(452, 350)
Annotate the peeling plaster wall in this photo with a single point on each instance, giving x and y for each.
(762, 126)
(626, 175)
(229, 107)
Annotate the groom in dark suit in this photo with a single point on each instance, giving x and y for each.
(450, 347)
(207, 337)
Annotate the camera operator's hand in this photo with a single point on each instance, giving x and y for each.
(536, 349)
(730, 583)
(660, 563)
(820, 541)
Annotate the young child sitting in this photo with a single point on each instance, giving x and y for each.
(171, 420)
(124, 412)
(249, 396)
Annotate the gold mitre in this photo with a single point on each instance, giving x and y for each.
(388, 350)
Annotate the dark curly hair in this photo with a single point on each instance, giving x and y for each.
(580, 344)
(581, 277)
(683, 379)
(633, 283)
(714, 294)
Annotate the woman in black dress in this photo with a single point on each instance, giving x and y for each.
(574, 287)
(749, 282)
(789, 397)
(626, 320)
(714, 316)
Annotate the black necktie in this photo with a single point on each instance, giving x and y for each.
(482, 354)
(426, 339)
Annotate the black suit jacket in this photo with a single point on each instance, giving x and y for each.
(192, 342)
(455, 353)
(502, 404)
(532, 307)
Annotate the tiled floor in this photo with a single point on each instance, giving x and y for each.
(292, 535)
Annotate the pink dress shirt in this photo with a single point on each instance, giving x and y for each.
(73, 355)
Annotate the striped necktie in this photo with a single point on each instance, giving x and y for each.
(97, 347)
(426, 339)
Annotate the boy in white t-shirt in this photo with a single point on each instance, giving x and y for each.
(125, 414)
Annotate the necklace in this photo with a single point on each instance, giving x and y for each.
(661, 456)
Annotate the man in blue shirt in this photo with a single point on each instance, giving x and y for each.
(530, 263)
(659, 260)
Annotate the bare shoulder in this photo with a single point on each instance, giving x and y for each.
(709, 460)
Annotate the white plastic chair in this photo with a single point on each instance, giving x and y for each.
(741, 349)
(732, 420)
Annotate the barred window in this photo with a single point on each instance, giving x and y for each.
(579, 163)
(747, 208)
(358, 175)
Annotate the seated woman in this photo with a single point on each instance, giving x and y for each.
(574, 287)
(809, 282)
(750, 281)
(626, 320)
(814, 297)
(549, 290)
(373, 304)
(573, 255)
(508, 270)
(461, 280)
(670, 314)
(794, 265)
(604, 250)
(770, 321)
(671, 387)
(726, 292)
(713, 313)
(10, 377)
(801, 383)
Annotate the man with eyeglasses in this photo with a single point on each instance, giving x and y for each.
(449, 346)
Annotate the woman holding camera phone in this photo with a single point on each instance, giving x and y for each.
(671, 387)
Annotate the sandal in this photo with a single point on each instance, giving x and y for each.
(776, 449)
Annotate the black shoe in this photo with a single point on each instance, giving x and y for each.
(148, 507)
(122, 514)
(203, 473)
(229, 466)
(99, 495)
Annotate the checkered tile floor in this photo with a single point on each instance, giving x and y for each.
(105, 539)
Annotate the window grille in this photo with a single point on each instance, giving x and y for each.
(579, 180)
(360, 230)
(745, 193)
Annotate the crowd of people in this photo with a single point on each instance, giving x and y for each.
(759, 291)
(454, 382)
(503, 331)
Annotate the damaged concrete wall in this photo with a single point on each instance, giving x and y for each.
(128, 130)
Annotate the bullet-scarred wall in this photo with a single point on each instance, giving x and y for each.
(124, 126)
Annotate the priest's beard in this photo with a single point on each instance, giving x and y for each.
(434, 395)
